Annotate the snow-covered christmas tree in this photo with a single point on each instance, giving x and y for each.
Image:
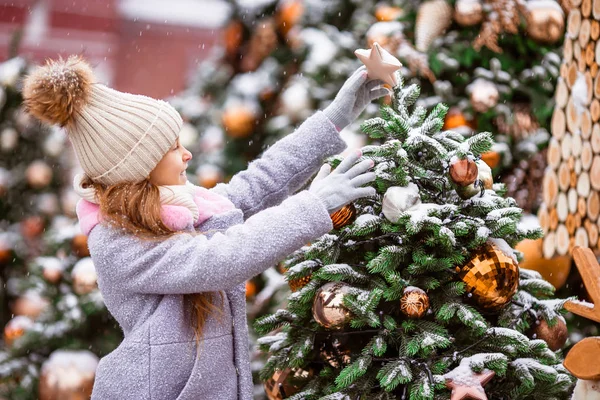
(420, 296)
(55, 324)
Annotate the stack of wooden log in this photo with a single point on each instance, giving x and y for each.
(571, 187)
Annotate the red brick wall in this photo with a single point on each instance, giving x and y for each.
(138, 57)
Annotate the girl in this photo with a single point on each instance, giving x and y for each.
(172, 258)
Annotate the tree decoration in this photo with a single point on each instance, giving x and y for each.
(504, 16)
(468, 12)
(545, 21)
(209, 175)
(250, 289)
(386, 13)
(380, 63)
(433, 18)
(299, 283)
(328, 308)
(387, 34)
(288, 14)
(491, 158)
(457, 119)
(336, 353)
(414, 302)
(555, 270)
(85, 279)
(344, 216)
(399, 199)
(588, 267)
(38, 174)
(32, 227)
(52, 269)
(483, 94)
(286, 383)
(521, 124)
(466, 384)
(80, 246)
(262, 43)
(491, 277)
(30, 304)
(68, 375)
(484, 181)
(463, 172)
(555, 336)
(238, 121)
(16, 328)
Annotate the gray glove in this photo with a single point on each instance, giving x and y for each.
(343, 185)
(353, 98)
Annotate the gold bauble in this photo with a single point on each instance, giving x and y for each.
(386, 13)
(414, 302)
(555, 336)
(456, 119)
(232, 35)
(32, 227)
(38, 174)
(6, 252)
(68, 375)
(30, 304)
(463, 172)
(555, 270)
(483, 94)
(52, 275)
(85, 279)
(491, 277)
(491, 158)
(209, 175)
(238, 121)
(15, 328)
(288, 14)
(286, 383)
(484, 181)
(343, 216)
(545, 24)
(387, 34)
(468, 12)
(79, 245)
(250, 289)
(297, 284)
(328, 308)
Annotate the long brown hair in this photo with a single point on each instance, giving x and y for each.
(135, 207)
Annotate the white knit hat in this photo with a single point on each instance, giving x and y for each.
(118, 137)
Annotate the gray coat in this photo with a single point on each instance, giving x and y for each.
(143, 283)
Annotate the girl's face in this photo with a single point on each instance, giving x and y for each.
(171, 168)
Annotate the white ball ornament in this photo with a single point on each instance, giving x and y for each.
(399, 199)
(85, 279)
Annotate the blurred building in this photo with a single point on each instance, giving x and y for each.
(141, 46)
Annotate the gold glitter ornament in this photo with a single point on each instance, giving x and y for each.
(343, 216)
(468, 12)
(414, 302)
(328, 308)
(299, 283)
(491, 277)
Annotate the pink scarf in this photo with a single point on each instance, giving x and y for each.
(182, 206)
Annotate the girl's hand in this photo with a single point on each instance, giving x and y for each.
(343, 185)
(353, 97)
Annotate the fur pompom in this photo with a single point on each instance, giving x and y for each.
(57, 91)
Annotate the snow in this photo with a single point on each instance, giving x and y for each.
(379, 29)
(583, 304)
(579, 93)
(199, 14)
(463, 374)
(483, 232)
(322, 50)
(10, 70)
(66, 369)
(365, 219)
(504, 247)
(85, 270)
